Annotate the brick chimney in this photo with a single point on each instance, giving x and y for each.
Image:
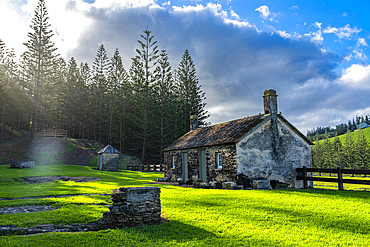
(193, 122)
(270, 102)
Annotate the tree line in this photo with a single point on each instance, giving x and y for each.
(139, 110)
(339, 129)
(353, 153)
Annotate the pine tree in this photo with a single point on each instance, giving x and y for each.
(362, 152)
(189, 91)
(327, 154)
(117, 81)
(100, 88)
(85, 75)
(317, 153)
(3, 86)
(166, 101)
(337, 152)
(349, 151)
(144, 100)
(39, 56)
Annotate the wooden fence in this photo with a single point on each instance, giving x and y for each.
(302, 175)
(54, 133)
(146, 168)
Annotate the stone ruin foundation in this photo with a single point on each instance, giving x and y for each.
(131, 207)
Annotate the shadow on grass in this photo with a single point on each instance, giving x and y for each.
(325, 192)
(337, 218)
(170, 234)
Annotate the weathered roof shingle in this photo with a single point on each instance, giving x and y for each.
(224, 133)
(218, 134)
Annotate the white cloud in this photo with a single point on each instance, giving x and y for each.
(265, 13)
(166, 3)
(189, 8)
(356, 76)
(217, 10)
(317, 24)
(117, 4)
(317, 37)
(284, 34)
(234, 15)
(361, 41)
(343, 32)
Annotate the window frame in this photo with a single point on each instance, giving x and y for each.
(218, 160)
(173, 162)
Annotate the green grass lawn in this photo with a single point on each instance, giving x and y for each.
(198, 217)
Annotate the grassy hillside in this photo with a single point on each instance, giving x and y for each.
(354, 134)
(198, 217)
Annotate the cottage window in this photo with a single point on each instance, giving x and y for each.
(173, 161)
(218, 161)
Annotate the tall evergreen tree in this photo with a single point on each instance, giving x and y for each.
(317, 153)
(337, 152)
(117, 80)
(39, 56)
(85, 75)
(190, 93)
(3, 86)
(349, 151)
(166, 100)
(147, 58)
(327, 154)
(99, 87)
(362, 151)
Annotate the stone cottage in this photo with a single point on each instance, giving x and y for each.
(108, 159)
(264, 146)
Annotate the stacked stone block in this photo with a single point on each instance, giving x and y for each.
(22, 164)
(133, 207)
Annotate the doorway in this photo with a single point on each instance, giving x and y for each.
(202, 165)
(184, 166)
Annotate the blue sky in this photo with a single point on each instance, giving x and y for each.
(313, 53)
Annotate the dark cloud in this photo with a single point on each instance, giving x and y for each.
(234, 64)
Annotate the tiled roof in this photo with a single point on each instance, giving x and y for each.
(218, 134)
(108, 150)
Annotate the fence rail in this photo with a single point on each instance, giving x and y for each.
(54, 133)
(302, 175)
(146, 168)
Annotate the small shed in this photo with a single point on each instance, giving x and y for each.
(108, 159)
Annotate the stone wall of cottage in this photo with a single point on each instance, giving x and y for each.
(260, 157)
(227, 172)
(173, 173)
(228, 161)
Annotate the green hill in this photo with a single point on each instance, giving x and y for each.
(354, 134)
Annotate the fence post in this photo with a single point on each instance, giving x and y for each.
(340, 181)
(304, 177)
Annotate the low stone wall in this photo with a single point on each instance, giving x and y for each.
(133, 207)
(22, 164)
